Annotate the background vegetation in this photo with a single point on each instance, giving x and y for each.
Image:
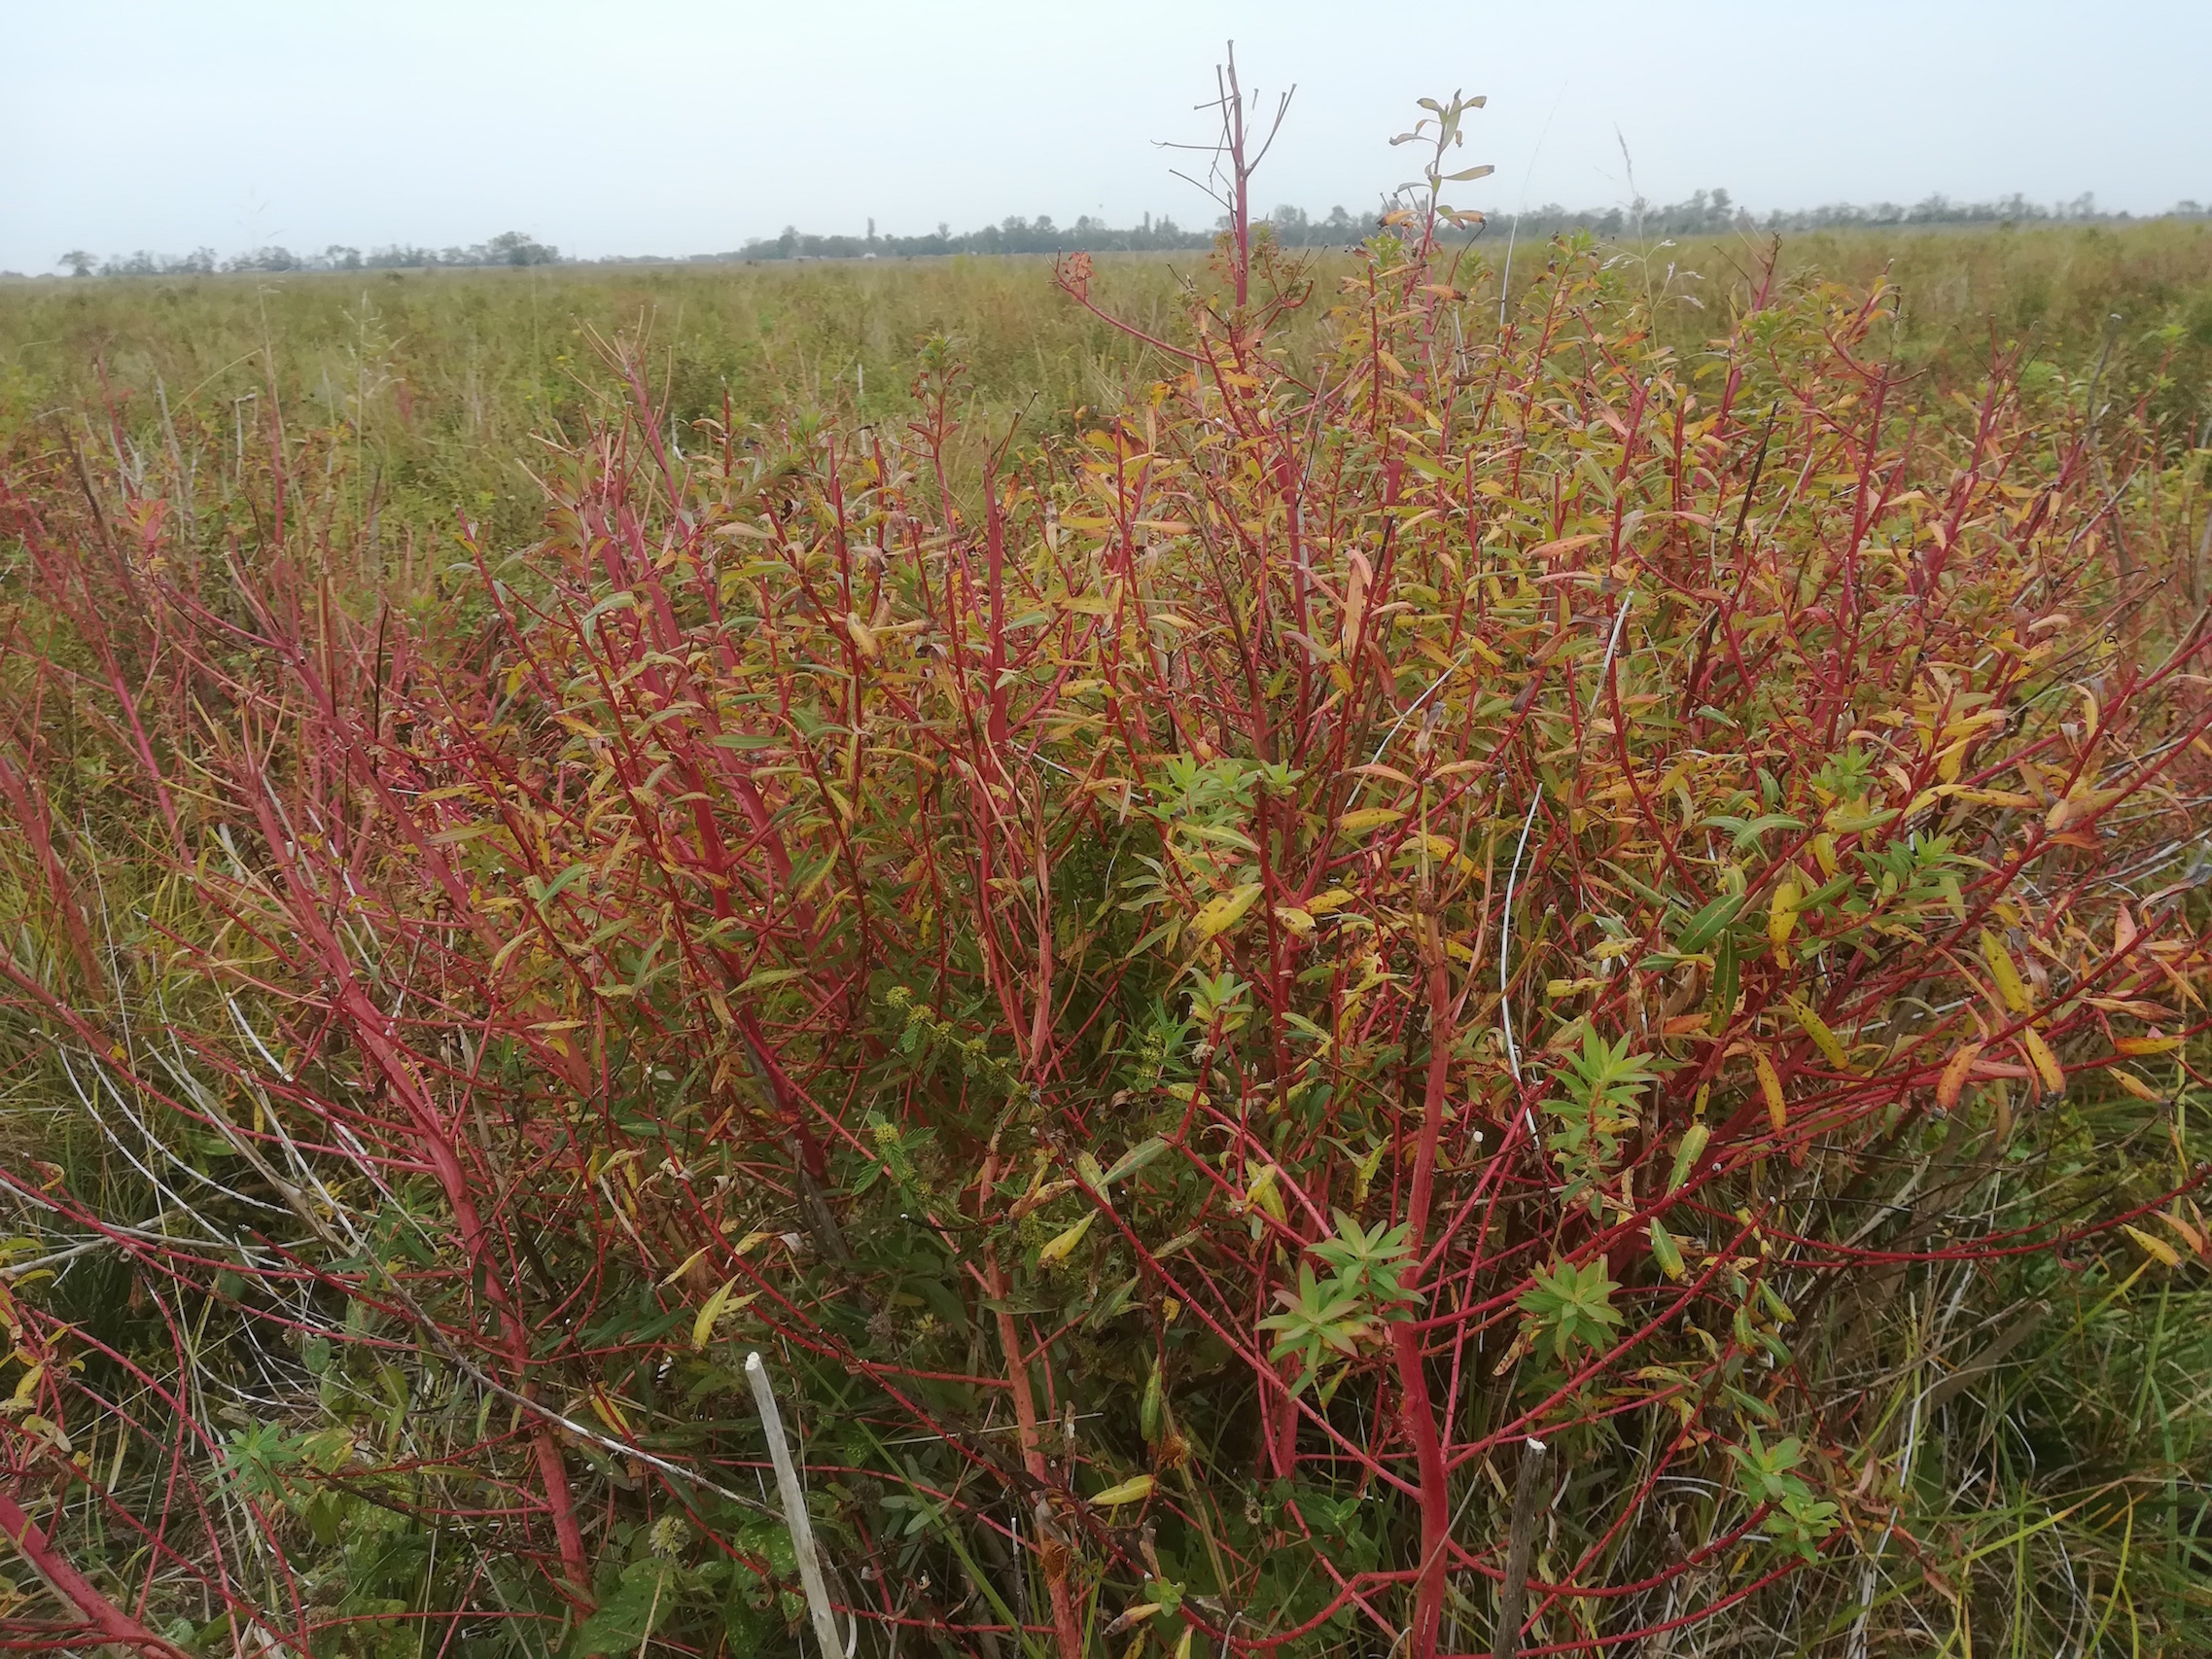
(441, 378)
(1333, 953)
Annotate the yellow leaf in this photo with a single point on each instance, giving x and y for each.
(609, 1413)
(2153, 1045)
(1665, 1251)
(1134, 1490)
(2001, 969)
(2133, 1085)
(1781, 914)
(686, 1265)
(1771, 1085)
(1823, 1038)
(2046, 1063)
(1824, 850)
(2158, 1249)
(718, 1304)
(1056, 1248)
(1326, 903)
(1367, 818)
(1262, 1193)
(1217, 915)
(1299, 922)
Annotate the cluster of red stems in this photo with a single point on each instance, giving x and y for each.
(1193, 987)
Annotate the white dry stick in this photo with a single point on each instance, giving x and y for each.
(1513, 877)
(1505, 942)
(794, 1508)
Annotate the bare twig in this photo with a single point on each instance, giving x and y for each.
(1520, 1546)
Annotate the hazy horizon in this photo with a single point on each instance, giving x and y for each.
(675, 127)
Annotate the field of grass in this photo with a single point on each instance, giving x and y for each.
(441, 378)
(1397, 968)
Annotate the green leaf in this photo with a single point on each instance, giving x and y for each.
(1575, 1304)
(1726, 980)
(764, 977)
(1135, 1159)
(1746, 833)
(1705, 926)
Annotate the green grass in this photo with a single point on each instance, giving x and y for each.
(443, 376)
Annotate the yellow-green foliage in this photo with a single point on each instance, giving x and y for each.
(442, 377)
(1192, 974)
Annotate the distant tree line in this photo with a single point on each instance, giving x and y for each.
(1704, 213)
(1708, 213)
(509, 247)
(1042, 236)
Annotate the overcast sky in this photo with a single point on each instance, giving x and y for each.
(680, 126)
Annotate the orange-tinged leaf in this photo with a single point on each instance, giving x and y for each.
(2191, 1236)
(1955, 1073)
(1562, 548)
(2155, 1044)
(1355, 603)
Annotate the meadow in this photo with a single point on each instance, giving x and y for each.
(443, 378)
(1303, 953)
